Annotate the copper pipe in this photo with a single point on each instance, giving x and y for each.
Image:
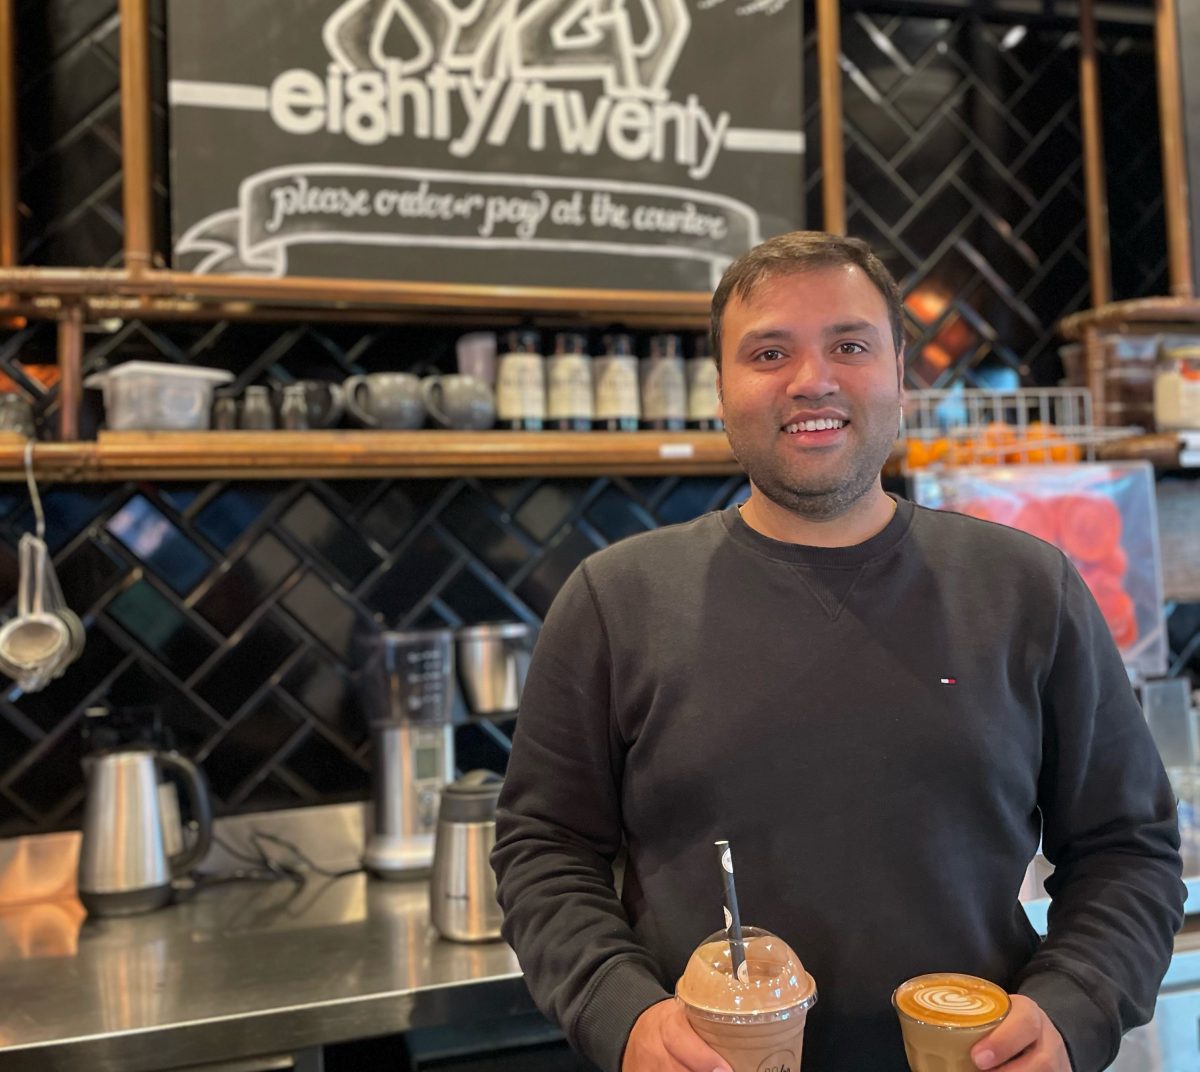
(1170, 118)
(1099, 263)
(70, 370)
(347, 294)
(135, 134)
(1095, 365)
(10, 229)
(833, 160)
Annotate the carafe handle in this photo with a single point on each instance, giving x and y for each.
(198, 800)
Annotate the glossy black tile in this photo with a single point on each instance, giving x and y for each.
(468, 518)
(328, 769)
(547, 509)
(390, 519)
(273, 793)
(616, 516)
(691, 498)
(475, 600)
(162, 628)
(246, 667)
(14, 743)
(421, 566)
(89, 573)
(328, 617)
(55, 773)
(13, 819)
(235, 510)
(319, 529)
(9, 573)
(246, 585)
(62, 698)
(562, 556)
(327, 691)
(476, 750)
(157, 542)
(250, 744)
(141, 685)
(179, 496)
(68, 512)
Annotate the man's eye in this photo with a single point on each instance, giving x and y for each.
(768, 355)
(851, 348)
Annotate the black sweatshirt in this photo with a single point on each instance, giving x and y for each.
(882, 732)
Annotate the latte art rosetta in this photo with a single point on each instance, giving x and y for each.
(950, 1000)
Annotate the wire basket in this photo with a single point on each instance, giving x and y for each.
(973, 426)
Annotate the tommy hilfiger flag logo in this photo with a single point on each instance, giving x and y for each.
(949, 680)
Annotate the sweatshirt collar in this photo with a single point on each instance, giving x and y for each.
(802, 554)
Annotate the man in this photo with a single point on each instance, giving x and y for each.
(881, 707)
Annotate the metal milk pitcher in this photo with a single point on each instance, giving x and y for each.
(124, 866)
(462, 888)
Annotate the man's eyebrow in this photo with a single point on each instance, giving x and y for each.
(852, 327)
(766, 334)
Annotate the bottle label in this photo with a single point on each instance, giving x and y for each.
(616, 387)
(521, 387)
(569, 379)
(702, 389)
(664, 390)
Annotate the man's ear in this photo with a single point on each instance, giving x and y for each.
(720, 399)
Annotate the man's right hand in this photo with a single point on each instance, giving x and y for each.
(662, 1040)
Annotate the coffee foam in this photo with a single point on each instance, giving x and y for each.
(949, 999)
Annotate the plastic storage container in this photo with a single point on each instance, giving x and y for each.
(156, 396)
(1102, 517)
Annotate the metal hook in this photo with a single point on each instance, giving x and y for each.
(35, 498)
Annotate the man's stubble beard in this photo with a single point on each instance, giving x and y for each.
(815, 501)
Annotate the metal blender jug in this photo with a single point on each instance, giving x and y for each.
(124, 865)
(409, 696)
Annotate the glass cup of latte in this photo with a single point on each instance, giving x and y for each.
(943, 1015)
(754, 1017)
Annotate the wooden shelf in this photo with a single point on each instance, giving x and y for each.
(1145, 312)
(106, 293)
(367, 454)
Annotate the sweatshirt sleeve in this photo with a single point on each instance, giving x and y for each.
(1110, 829)
(558, 830)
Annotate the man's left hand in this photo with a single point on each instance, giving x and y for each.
(1026, 1042)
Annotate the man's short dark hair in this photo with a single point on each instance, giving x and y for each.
(798, 252)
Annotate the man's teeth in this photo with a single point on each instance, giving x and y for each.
(814, 426)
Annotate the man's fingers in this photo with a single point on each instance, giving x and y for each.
(688, 1048)
(1020, 1030)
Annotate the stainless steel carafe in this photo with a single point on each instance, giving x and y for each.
(124, 865)
(462, 888)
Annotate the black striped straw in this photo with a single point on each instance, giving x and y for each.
(733, 919)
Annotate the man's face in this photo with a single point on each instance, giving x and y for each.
(812, 346)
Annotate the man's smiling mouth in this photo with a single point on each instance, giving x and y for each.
(821, 424)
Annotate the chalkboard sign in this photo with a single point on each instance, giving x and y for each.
(635, 144)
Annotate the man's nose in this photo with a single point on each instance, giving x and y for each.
(811, 376)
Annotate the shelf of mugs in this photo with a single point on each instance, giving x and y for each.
(335, 453)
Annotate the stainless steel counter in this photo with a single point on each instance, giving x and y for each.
(246, 969)
(234, 970)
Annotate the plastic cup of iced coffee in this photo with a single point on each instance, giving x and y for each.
(754, 1018)
(942, 1015)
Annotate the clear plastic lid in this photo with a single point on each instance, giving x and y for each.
(773, 987)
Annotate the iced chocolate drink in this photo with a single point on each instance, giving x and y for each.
(753, 1018)
(943, 1015)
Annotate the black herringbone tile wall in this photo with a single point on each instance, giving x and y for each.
(238, 610)
(964, 170)
(234, 609)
